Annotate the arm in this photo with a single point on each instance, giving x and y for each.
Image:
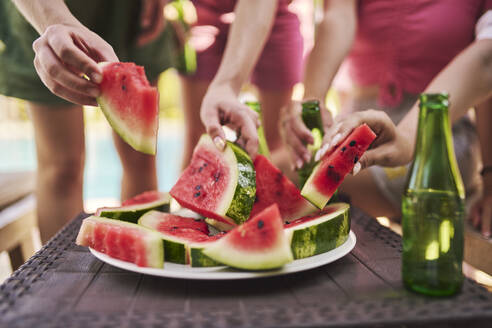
(334, 37)
(220, 106)
(467, 78)
(481, 215)
(66, 51)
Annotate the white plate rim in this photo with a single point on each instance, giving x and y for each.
(181, 271)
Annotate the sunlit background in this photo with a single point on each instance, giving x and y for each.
(102, 167)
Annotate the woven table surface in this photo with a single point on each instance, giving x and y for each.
(63, 285)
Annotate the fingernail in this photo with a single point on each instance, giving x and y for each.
(356, 168)
(335, 140)
(96, 77)
(307, 157)
(219, 142)
(299, 163)
(322, 151)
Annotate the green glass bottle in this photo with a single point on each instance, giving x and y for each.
(186, 54)
(262, 143)
(311, 116)
(433, 206)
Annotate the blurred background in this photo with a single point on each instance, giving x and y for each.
(102, 166)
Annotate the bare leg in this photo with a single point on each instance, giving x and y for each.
(139, 170)
(193, 92)
(60, 148)
(364, 194)
(271, 103)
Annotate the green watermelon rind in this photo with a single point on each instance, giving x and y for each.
(311, 193)
(322, 234)
(244, 195)
(175, 247)
(132, 213)
(198, 259)
(145, 145)
(153, 240)
(222, 253)
(178, 250)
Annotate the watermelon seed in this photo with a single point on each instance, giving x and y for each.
(123, 87)
(200, 169)
(287, 222)
(197, 194)
(198, 187)
(260, 224)
(217, 176)
(331, 167)
(356, 159)
(344, 149)
(352, 143)
(205, 164)
(197, 220)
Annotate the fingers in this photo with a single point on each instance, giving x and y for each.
(214, 129)
(46, 61)
(295, 134)
(63, 46)
(245, 121)
(486, 219)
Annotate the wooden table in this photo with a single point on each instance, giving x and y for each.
(63, 285)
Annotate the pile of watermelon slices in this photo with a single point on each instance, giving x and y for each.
(245, 214)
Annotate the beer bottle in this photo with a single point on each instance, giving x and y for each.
(433, 206)
(311, 116)
(262, 144)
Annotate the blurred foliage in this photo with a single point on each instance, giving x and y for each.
(170, 95)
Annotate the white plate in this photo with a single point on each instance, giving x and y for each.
(172, 270)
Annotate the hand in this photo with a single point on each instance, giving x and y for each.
(390, 148)
(151, 21)
(295, 133)
(64, 54)
(481, 213)
(221, 107)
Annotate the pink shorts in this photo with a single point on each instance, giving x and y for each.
(280, 64)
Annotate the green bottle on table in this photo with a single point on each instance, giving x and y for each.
(311, 116)
(433, 206)
(262, 143)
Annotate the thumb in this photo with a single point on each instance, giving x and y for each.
(215, 131)
(368, 159)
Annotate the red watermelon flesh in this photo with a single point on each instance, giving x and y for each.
(121, 240)
(328, 175)
(167, 222)
(143, 198)
(217, 184)
(307, 218)
(258, 244)
(130, 104)
(273, 187)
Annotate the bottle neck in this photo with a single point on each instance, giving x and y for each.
(434, 165)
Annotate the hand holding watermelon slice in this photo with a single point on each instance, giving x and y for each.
(220, 106)
(392, 146)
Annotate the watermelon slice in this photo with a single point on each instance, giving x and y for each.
(217, 184)
(132, 209)
(122, 240)
(258, 244)
(328, 175)
(177, 232)
(319, 232)
(130, 104)
(272, 187)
